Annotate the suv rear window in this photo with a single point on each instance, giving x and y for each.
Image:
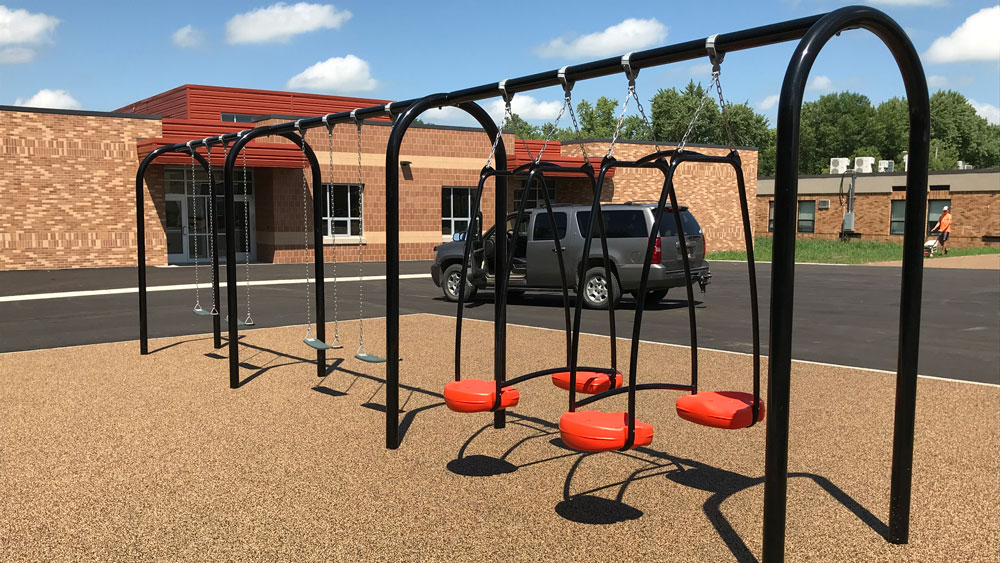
(618, 223)
(668, 226)
(543, 229)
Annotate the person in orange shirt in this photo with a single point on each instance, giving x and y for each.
(943, 227)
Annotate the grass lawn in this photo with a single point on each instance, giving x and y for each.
(836, 252)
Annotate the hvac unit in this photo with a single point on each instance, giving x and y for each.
(964, 166)
(864, 164)
(823, 204)
(906, 163)
(839, 165)
(886, 165)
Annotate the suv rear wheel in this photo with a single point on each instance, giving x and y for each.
(598, 287)
(450, 280)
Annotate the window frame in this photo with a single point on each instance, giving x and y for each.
(451, 217)
(770, 216)
(329, 218)
(550, 188)
(799, 220)
(932, 222)
(893, 222)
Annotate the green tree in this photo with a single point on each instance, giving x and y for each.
(955, 122)
(834, 126)
(522, 129)
(750, 129)
(892, 129)
(673, 110)
(767, 153)
(597, 121)
(944, 156)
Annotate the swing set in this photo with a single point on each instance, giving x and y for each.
(594, 430)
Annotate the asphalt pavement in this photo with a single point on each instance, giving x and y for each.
(846, 315)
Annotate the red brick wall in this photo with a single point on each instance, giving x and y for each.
(709, 190)
(67, 191)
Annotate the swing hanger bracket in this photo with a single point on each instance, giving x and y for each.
(326, 121)
(567, 84)
(354, 116)
(713, 54)
(630, 73)
(507, 96)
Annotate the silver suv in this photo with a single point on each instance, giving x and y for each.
(535, 268)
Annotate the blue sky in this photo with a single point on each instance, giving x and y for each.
(103, 55)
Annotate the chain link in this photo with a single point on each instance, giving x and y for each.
(193, 204)
(694, 118)
(361, 246)
(246, 234)
(305, 230)
(576, 126)
(629, 94)
(725, 116)
(213, 230)
(507, 116)
(333, 233)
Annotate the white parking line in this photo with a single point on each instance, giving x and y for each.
(735, 353)
(180, 287)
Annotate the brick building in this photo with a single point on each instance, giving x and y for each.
(67, 187)
(972, 195)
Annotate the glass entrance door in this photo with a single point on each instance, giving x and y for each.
(186, 228)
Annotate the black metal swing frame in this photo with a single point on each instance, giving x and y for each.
(812, 33)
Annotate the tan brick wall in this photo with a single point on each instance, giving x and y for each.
(67, 191)
(709, 190)
(974, 214)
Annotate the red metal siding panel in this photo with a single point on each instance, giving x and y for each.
(172, 103)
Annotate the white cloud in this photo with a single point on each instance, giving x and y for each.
(988, 111)
(21, 26)
(526, 107)
(448, 116)
(820, 83)
(280, 22)
(630, 35)
(974, 40)
(937, 81)
(16, 55)
(188, 36)
(768, 102)
(342, 74)
(45, 98)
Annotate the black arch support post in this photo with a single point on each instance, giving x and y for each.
(783, 268)
(140, 230)
(403, 122)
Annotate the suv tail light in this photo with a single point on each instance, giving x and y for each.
(657, 252)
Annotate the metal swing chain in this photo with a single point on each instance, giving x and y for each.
(194, 201)
(568, 103)
(508, 115)
(333, 232)
(630, 94)
(210, 227)
(716, 58)
(246, 232)
(305, 229)
(361, 246)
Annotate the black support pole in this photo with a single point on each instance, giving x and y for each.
(317, 185)
(140, 220)
(232, 309)
(402, 123)
(783, 268)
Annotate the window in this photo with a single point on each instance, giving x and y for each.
(343, 210)
(177, 180)
(543, 230)
(942, 188)
(807, 216)
(456, 210)
(934, 207)
(770, 216)
(897, 215)
(535, 197)
(237, 118)
(625, 223)
(668, 226)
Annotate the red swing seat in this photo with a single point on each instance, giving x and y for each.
(719, 409)
(590, 382)
(477, 395)
(596, 431)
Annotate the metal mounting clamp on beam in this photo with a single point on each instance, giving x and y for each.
(630, 73)
(713, 54)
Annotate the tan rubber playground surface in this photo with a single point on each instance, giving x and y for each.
(106, 455)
